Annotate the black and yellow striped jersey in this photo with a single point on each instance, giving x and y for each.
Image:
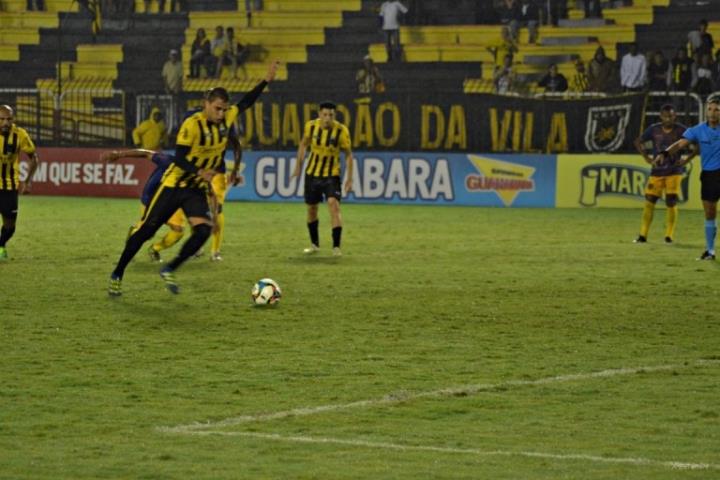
(325, 147)
(11, 144)
(207, 142)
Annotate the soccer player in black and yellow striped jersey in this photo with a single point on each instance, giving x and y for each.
(13, 140)
(201, 143)
(326, 138)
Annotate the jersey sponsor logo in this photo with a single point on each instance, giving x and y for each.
(619, 180)
(606, 126)
(506, 179)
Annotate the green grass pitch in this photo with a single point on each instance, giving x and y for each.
(442, 345)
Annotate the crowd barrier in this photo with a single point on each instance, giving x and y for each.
(475, 179)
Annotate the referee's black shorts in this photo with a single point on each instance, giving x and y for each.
(9, 203)
(710, 185)
(318, 187)
(167, 200)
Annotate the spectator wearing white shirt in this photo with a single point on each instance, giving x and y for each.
(390, 11)
(633, 70)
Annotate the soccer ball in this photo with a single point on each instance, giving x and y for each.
(266, 292)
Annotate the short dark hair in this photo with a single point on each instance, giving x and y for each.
(217, 92)
(668, 107)
(715, 100)
(328, 104)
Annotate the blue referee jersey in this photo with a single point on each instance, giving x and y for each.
(708, 138)
(162, 162)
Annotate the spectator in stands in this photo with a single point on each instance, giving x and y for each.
(151, 134)
(700, 41)
(579, 83)
(35, 5)
(504, 76)
(658, 72)
(593, 9)
(172, 73)
(200, 53)
(680, 78)
(251, 5)
(368, 78)
(527, 15)
(505, 46)
(218, 46)
(716, 70)
(633, 70)
(554, 81)
(702, 76)
(390, 12)
(507, 11)
(602, 73)
(175, 6)
(235, 54)
(555, 10)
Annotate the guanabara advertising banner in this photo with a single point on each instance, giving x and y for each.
(415, 178)
(480, 179)
(456, 123)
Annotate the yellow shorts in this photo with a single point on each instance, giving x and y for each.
(669, 184)
(219, 186)
(177, 219)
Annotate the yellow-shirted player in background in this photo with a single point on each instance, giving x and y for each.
(220, 187)
(13, 140)
(201, 143)
(326, 138)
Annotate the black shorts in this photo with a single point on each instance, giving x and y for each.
(317, 187)
(9, 203)
(710, 185)
(192, 201)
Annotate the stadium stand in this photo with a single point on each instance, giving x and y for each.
(320, 42)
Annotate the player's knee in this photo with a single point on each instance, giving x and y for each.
(202, 230)
(651, 198)
(671, 200)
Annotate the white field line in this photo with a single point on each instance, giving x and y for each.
(634, 461)
(395, 398)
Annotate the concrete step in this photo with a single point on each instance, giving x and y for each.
(567, 40)
(548, 59)
(585, 22)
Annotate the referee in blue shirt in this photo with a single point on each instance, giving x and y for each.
(707, 136)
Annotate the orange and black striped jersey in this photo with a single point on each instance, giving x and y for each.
(207, 142)
(325, 147)
(11, 144)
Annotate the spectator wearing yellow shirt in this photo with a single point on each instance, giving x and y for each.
(504, 46)
(579, 82)
(151, 134)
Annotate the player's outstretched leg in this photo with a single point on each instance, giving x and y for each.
(6, 232)
(217, 236)
(201, 233)
(132, 246)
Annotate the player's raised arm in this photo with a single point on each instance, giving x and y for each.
(302, 148)
(250, 97)
(116, 155)
(237, 157)
(349, 176)
(34, 160)
(681, 144)
(638, 143)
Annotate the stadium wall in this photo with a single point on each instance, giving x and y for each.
(489, 180)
